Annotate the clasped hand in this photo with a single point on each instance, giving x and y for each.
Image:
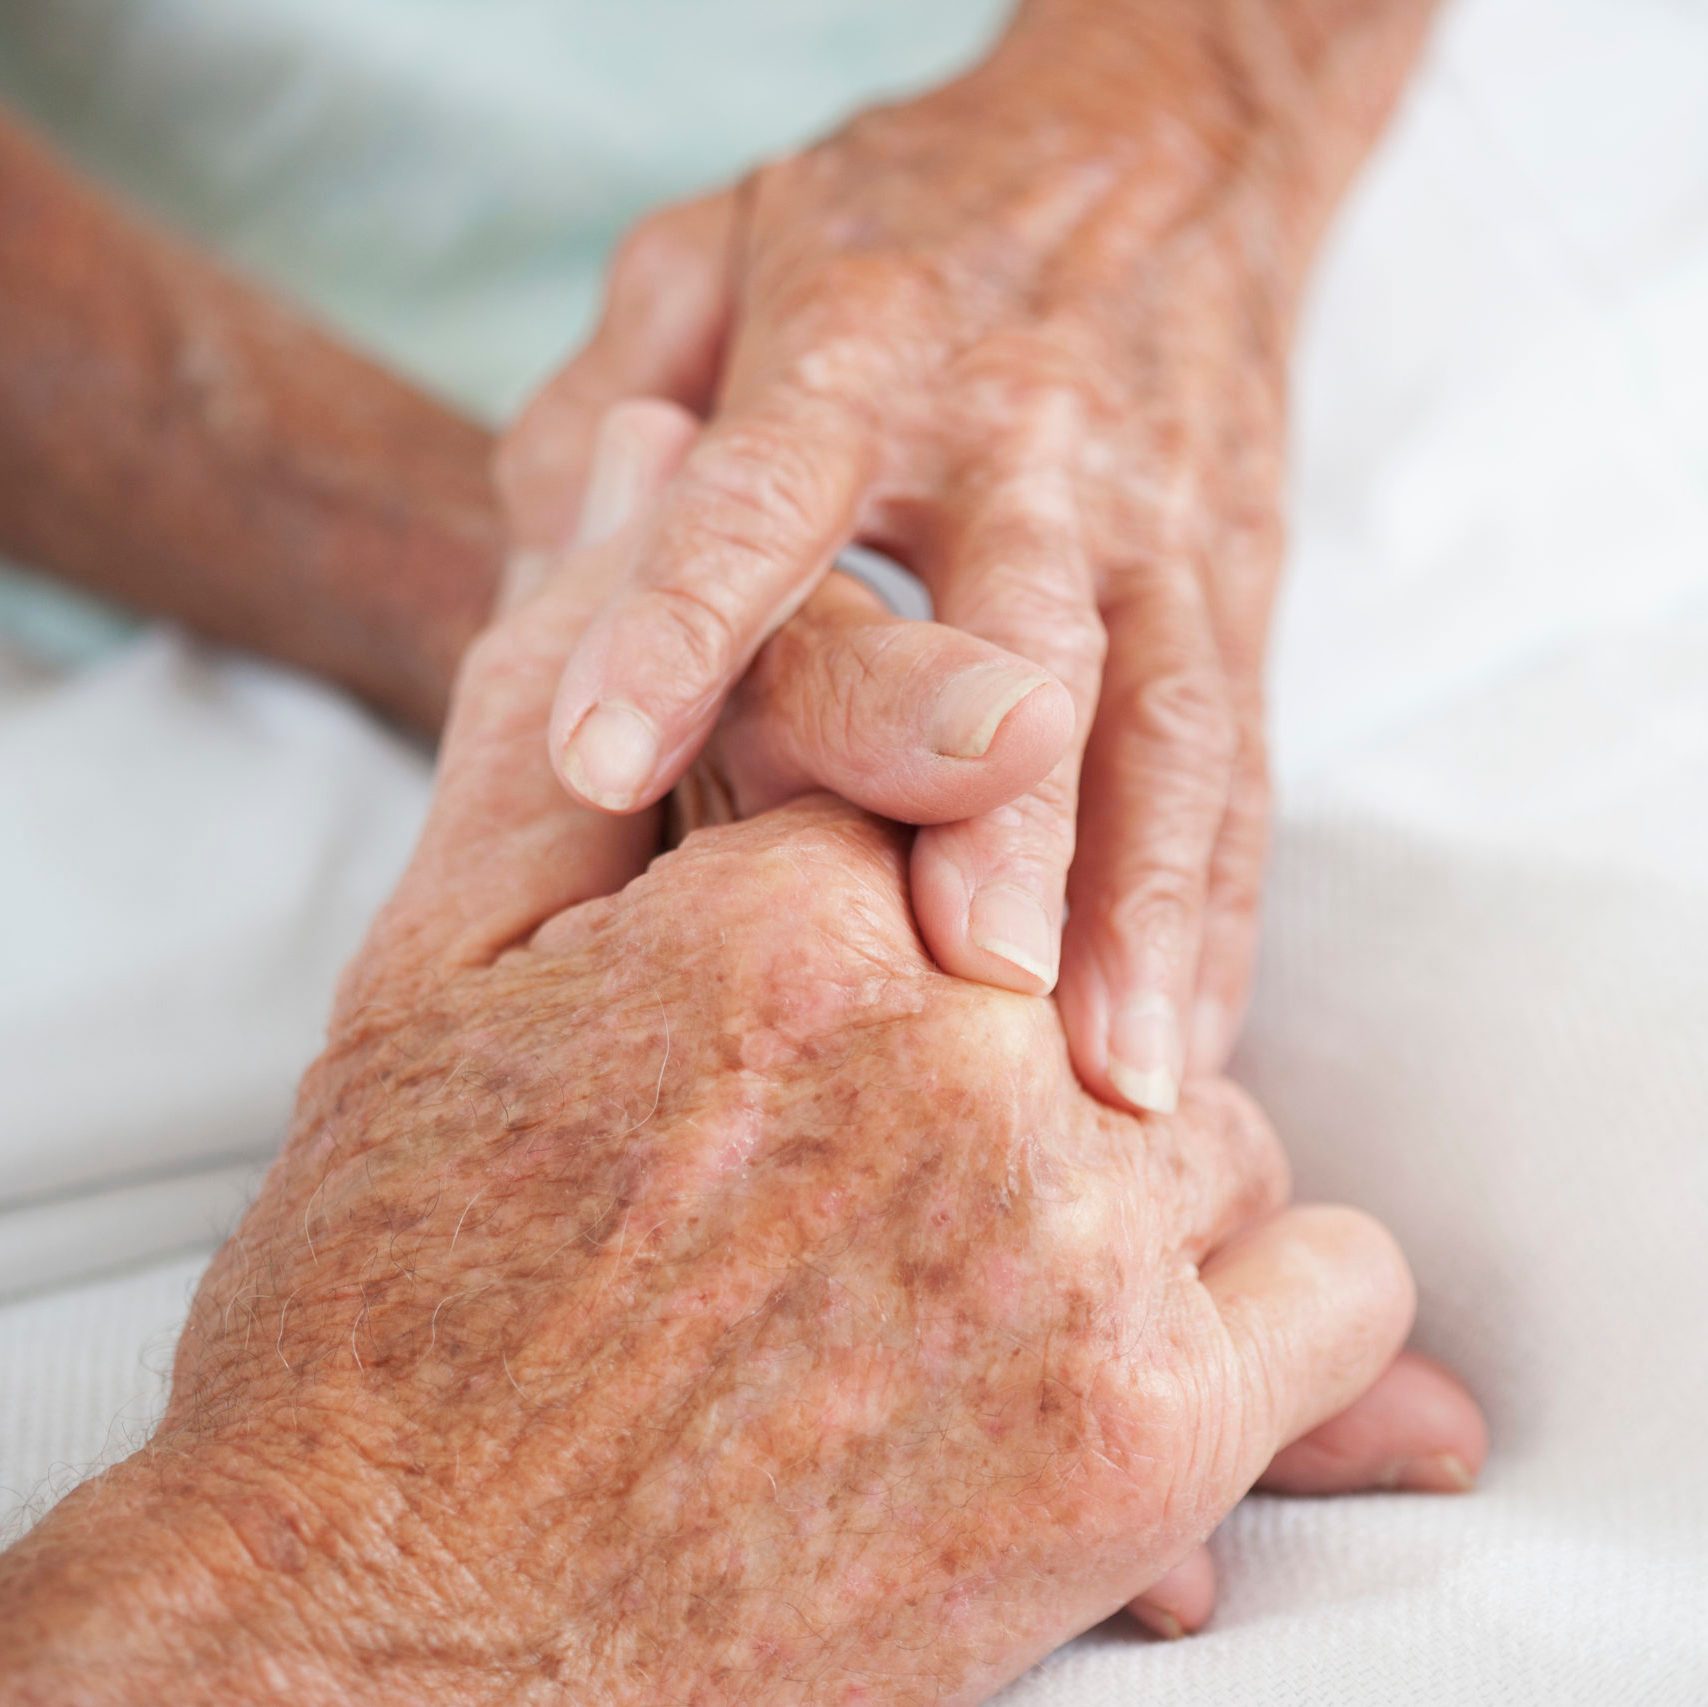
(692, 1292)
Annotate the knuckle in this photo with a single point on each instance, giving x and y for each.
(1156, 910)
(1032, 375)
(1079, 641)
(854, 292)
(1238, 886)
(760, 486)
(1186, 710)
(872, 663)
(1259, 1158)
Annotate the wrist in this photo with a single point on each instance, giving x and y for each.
(1290, 94)
(201, 1577)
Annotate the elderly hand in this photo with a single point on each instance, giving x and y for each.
(1027, 333)
(694, 1294)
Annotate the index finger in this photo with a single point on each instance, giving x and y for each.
(747, 529)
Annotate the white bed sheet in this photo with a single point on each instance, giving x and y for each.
(1484, 1003)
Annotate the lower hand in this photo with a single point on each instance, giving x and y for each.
(694, 1289)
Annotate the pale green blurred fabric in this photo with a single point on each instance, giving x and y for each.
(440, 178)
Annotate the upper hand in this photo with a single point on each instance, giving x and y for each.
(1028, 334)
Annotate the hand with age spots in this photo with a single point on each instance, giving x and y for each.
(1028, 333)
(692, 1293)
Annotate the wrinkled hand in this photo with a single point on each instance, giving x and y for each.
(694, 1293)
(1027, 333)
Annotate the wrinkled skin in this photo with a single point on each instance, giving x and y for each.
(1028, 332)
(692, 1294)
(829, 1335)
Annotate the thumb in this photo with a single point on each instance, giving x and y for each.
(1315, 1304)
(911, 720)
(504, 847)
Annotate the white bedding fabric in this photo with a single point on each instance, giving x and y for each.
(1484, 1004)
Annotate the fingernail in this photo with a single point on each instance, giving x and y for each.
(614, 483)
(611, 756)
(1008, 922)
(1144, 1054)
(971, 706)
(1158, 1622)
(1442, 1473)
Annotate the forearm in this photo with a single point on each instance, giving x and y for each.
(126, 1594)
(210, 1573)
(171, 438)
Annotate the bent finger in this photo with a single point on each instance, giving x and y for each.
(988, 890)
(1417, 1429)
(1181, 1602)
(1155, 789)
(1232, 905)
(915, 721)
(750, 525)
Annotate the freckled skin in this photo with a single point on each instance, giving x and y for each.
(1027, 331)
(688, 1295)
(867, 1401)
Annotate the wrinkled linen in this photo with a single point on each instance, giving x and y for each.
(1483, 1009)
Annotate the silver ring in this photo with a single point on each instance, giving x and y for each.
(899, 590)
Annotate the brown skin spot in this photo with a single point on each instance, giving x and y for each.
(273, 1536)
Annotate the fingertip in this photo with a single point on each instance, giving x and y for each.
(1417, 1428)
(998, 933)
(1009, 926)
(991, 730)
(1179, 1603)
(1127, 1051)
(609, 757)
(1450, 1410)
(1017, 952)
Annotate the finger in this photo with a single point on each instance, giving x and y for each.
(1315, 1304)
(1182, 1601)
(503, 848)
(1232, 905)
(1245, 565)
(912, 720)
(660, 334)
(1417, 1428)
(1156, 782)
(750, 525)
(988, 890)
